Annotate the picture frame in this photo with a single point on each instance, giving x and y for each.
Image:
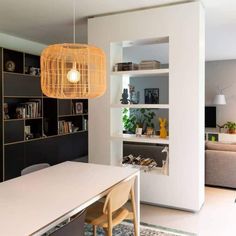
(151, 95)
(78, 108)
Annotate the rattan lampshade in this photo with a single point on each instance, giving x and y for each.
(89, 63)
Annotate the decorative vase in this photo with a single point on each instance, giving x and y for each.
(231, 131)
(138, 132)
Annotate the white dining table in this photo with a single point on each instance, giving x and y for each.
(34, 203)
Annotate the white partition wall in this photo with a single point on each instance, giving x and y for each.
(182, 26)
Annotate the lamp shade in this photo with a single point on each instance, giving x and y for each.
(70, 71)
(219, 99)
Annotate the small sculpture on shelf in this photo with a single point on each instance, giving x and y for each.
(149, 131)
(10, 66)
(134, 96)
(6, 115)
(28, 134)
(125, 96)
(163, 131)
(165, 163)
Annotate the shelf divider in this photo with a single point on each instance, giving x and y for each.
(136, 106)
(140, 73)
(143, 139)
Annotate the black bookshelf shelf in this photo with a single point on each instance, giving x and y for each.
(47, 137)
(82, 114)
(35, 118)
(14, 73)
(37, 138)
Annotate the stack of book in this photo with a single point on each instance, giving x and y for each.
(31, 109)
(125, 66)
(149, 65)
(65, 127)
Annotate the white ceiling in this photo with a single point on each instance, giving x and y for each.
(50, 21)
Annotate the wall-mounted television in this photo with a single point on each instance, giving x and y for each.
(210, 117)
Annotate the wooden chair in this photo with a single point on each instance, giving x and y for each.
(112, 212)
(34, 168)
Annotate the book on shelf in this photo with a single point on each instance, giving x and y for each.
(31, 109)
(149, 65)
(65, 127)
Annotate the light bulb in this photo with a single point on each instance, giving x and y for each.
(73, 76)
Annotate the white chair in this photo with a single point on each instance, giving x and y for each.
(34, 168)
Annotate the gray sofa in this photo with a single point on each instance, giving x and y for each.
(220, 164)
(145, 151)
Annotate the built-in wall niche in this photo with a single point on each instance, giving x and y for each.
(32, 64)
(148, 157)
(13, 61)
(156, 50)
(150, 120)
(33, 129)
(149, 90)
(72, 107)
(79, 106)
(22, 108)
(70, 124)
(139, 65)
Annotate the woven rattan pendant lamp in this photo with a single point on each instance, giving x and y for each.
(72, 70)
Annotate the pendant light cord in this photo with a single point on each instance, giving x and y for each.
(74, 21)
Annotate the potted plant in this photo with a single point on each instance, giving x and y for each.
(137, 118)
(129, 121)
(231, 126)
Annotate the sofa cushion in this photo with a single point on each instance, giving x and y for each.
(220, 146)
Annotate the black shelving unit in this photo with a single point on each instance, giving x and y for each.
(58, 128)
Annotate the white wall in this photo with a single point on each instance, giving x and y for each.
(19, 44)
(222, 74)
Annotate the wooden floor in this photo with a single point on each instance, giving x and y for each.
(216, 218)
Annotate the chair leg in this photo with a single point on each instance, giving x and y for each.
(110, 230)
(134, 212)
(106, 231)
(109, 219)
(94, 230)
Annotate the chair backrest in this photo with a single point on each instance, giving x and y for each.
(33, 168)
(74, 228)
(118, 196)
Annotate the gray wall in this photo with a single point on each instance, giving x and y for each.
(222, 74)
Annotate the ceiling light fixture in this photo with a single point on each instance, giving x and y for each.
(72, 70)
